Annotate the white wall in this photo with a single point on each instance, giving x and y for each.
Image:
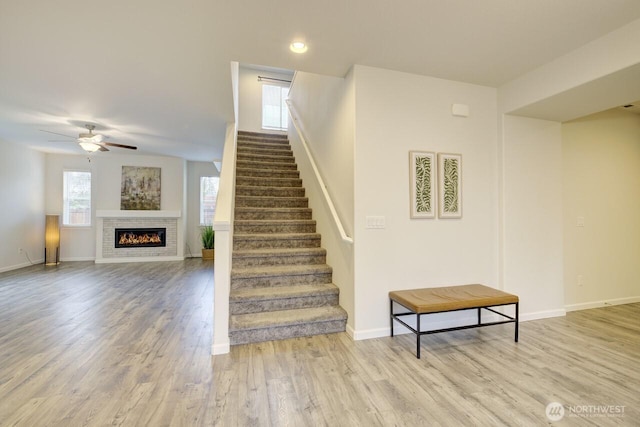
(324, 108)
(250, 97)
(531, 214)
(22, 204)
(601, 165)
(195, 170)
(396, 113)
(79, 243)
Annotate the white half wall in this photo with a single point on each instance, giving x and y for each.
(395, 113)
(22, 189)
(532, 215)
(601, 165)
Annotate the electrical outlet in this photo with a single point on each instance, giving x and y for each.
(20, 250)
(580, 280)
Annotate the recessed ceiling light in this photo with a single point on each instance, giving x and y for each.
(298, 47)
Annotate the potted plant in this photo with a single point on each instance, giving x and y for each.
(208, 242)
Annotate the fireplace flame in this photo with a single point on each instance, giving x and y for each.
(139, 239)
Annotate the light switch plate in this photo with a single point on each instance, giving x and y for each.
(375, 222)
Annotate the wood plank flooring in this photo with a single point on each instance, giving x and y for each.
(129, 344)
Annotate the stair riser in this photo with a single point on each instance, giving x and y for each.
(269, 182)
(276, 243)
(248, 138)
(274, 228)
(264, 159)
(284, 280)
(255, 151)
(269, 191)
(267, 173)
(245, 307)
(246, 164)
(259, 135)
(271, 202)
(286, 332)
(250, 145)
(258, 214)
(240, 262)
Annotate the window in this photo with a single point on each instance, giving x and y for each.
(274, 107)
(76, 209)
(208, 196)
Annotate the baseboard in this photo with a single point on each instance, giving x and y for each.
(603, 303)
(351, 332)
(138, 259)
(72, 259)
(23, 265)
(400, 330)
(545, 314)
(221, 348)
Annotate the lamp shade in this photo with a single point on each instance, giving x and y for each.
(52, 239)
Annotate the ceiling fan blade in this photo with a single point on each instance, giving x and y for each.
(56, 133)
(102, 147)
(58, 140)
(113, 144)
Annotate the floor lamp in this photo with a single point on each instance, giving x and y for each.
(52, 240)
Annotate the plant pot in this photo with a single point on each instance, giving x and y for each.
(207, 254)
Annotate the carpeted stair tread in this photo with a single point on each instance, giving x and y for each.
(286, 318)
(271, 201)
(248, 253)
(279, 256)
(265, 158)
(295, 291)
(269, 213)
(272, 240)
(268, 182)
(253, 164)
(281, 150)
(253, 190)
(279, 270)
(275, 136)
(275, 226)
(267, 173)
(279, 146)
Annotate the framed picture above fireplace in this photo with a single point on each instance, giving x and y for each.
(140, 188)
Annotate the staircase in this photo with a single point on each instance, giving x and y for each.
(280, 283)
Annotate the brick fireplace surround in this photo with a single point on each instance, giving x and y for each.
(108, 220)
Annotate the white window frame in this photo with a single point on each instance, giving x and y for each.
(284, 118)
(65, 199)
(201, 197)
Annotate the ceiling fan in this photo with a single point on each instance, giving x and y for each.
(92, 142)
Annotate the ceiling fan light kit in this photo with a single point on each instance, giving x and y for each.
(91, 142)
(89, 146)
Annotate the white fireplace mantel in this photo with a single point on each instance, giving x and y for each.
(137, 214)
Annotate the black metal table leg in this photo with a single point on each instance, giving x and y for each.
(391, 314)
(479, 316)
(517, 318)
(418, 336)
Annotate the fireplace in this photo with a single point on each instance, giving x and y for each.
(140, 237)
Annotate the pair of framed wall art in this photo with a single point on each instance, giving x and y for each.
(424, 171)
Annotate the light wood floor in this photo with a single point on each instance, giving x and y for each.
(129, 344)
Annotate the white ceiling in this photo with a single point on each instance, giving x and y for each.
(157, 73)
